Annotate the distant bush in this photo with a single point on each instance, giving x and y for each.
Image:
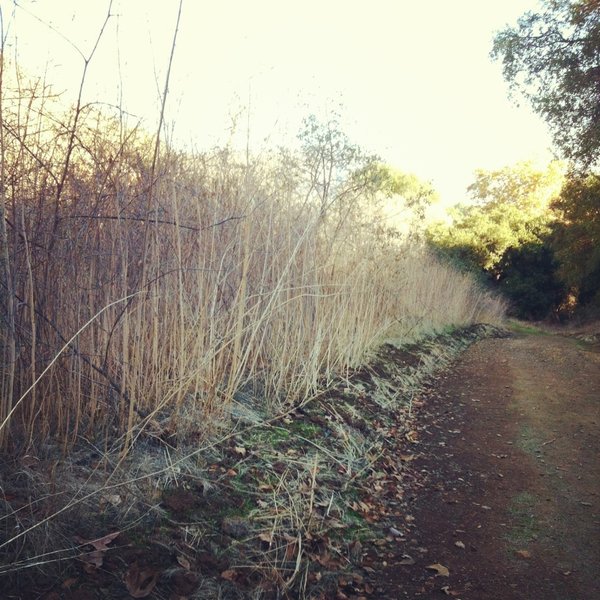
(529, 280)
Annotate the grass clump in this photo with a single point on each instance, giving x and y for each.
(280, 506)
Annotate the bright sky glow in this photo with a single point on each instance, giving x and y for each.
(413, 79)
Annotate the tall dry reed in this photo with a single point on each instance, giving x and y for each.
(200, 276)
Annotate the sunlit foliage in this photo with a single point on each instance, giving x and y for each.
(577, 236)
(509, 209)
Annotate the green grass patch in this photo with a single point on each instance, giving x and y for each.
(305, 430)
(524, 525)
(355, 528)
(524, 328)
(268, 436)
(528, 441)
(242, 509)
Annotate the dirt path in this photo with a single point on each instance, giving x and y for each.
(509, 451)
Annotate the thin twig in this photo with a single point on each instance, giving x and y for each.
(58, 354)
(156, 221)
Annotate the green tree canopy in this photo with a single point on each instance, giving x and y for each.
(528, 278)
(510, 208)
(576, 236)
(553, 58)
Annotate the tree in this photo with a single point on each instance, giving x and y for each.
(529, 279)
(330, 160)
(510, 208)
(398, 199)
(416, 195)
(553, 58)
(576, 237)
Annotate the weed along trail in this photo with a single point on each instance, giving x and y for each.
(506, 496)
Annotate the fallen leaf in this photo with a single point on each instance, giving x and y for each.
(440, 570)
(264, 487)
(459, 545)
(92, 561)
(240, 450)
(407, 560)
(100, 544)
(370, 570)
(113, 499)
(265, 537)
(523, 553)
(291, 550)
(184, 562)
(412, 436)
(67, 584)
(327, 561)
(229, 574)
(140, 581)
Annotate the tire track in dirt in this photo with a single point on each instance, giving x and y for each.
(509, 447)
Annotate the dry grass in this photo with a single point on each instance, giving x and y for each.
(155, 305)
(197, 277)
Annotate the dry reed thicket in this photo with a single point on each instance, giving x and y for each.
(151, 290)
(152, 294)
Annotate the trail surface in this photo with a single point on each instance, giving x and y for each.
(509, 453)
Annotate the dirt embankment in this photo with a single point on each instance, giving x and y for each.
(509, 508)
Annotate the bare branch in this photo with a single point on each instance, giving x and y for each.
(156, 221)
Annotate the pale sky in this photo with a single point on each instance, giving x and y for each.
(412, 79)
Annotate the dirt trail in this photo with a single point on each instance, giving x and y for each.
(510, 505)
